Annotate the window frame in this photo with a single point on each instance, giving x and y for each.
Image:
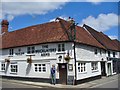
(94, 66)
(82, 67)
(40, 68)
(14, 68)
(95, 51)
(61, 47)
(30, 49)
(108, 53)
(114, 54)
(3, 67)
(11, 51)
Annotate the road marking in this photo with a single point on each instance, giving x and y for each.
(24, 84)
(103, 83)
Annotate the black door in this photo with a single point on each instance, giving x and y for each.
(63, 73)
(103, 71)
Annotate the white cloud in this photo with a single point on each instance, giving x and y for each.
(12, 9)
(103, 22)
(95, 1)
(62, 17)
(113, 37)
(35, 0)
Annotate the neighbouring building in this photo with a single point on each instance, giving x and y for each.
(110, 64)
(77, 52)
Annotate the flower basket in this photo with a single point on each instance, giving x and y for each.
(29, 60)
(67, 58)
(7, 60)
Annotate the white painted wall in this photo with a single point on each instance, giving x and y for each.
(86, 53)
(27, 70)
(89, 72)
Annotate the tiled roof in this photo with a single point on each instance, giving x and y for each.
(102, 38)
(44, 33)
(117, 43)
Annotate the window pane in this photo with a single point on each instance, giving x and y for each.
(35, 64)
(33, 49)
(59, 47)
(63, 47)
(43, 64)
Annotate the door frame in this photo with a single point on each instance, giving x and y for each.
(103, 67)
(60, 64)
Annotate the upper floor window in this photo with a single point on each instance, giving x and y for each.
(95, 51)
(108, 53)
(100, 52)
(81, 67)
(11, 51)
(113, 54)
(61, 47)
(30, 50)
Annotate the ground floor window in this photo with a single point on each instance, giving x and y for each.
(2, 66)
(40, 67)
(94, 66)
(81, 67)
(14, 68)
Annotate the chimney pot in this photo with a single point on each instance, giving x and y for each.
(4, 26)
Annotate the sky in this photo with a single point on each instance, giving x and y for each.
(99, 14)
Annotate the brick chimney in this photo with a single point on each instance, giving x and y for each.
(4, 26)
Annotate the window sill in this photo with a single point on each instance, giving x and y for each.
(82, 72)
(31, 54)
(40, 72)
(2, 71)
(62, 52)
(13, 73)
(10, 55)
(94, 71)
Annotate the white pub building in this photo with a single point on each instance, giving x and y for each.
(30, 52)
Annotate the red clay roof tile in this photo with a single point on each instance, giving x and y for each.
(44, 33)
(101, 38)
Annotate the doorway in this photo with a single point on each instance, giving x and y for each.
(103, 70)
(109, 69)
(63, 73)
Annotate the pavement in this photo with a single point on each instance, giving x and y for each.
(90, 84)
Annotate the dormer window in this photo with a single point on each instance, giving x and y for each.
(61, 47)
(95, 51)
(113, 54)
(30, 50)
(11, 51)
(100, 52)
(108, 53)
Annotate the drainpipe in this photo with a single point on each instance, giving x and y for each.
(75, 81)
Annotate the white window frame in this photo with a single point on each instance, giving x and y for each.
(95, 51)
(94, 66)
(82, 67)
(11, 51)
(114, 54)
(40, 68)
(61, 47)
(3, 67)
(14, 67)
(30, 49)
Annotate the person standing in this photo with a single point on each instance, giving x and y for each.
(53, 74)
